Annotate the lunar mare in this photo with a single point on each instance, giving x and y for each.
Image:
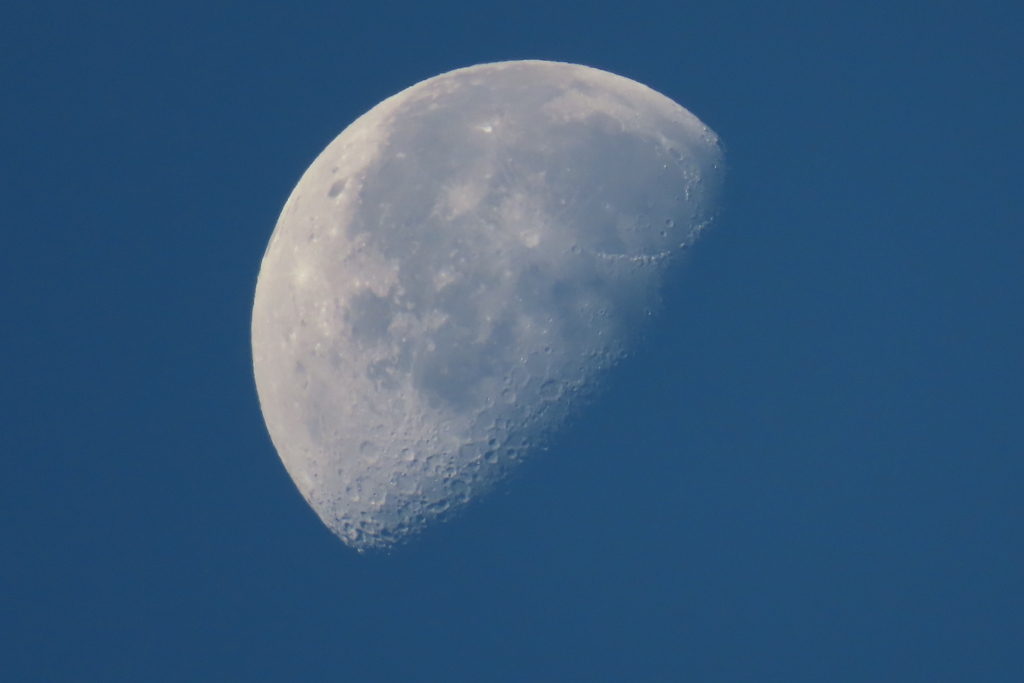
(453, 274)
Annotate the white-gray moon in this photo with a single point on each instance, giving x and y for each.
(454, 273)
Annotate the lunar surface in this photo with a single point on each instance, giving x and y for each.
(455, 272)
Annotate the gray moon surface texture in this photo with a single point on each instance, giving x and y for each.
(455, 272)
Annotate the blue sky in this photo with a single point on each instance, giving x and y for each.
(812, 472)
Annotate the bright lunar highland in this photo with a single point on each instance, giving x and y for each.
(455, 272)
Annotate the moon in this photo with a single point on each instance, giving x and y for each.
(454, 274)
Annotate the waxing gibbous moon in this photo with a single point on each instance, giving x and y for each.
(455, 272)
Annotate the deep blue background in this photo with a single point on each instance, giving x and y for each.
(813, 472)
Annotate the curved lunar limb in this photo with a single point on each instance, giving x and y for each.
(454, 273)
